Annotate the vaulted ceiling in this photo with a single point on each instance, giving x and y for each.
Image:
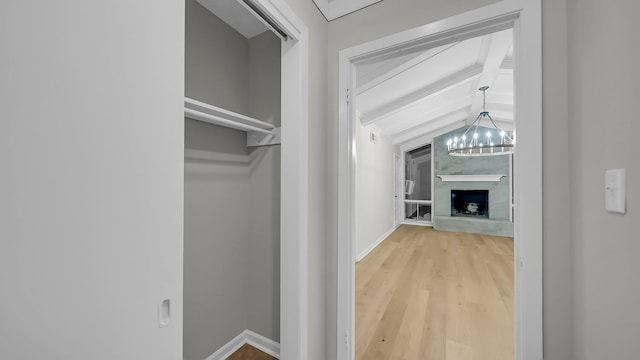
(422, 95)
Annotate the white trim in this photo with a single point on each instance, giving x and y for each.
(294, 205)
(423, 202)
(467, 178)
(397, 193)
(524, 16)
(258, 341)
(332, 9)
(414, 144)
(229, 348)
(375, 244)
(263, 343)
(528, 178)
(417, 223)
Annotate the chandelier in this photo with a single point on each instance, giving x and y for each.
(472, 143)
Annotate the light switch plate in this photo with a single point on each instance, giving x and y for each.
(615, 190)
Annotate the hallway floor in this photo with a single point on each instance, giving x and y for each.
(433, 295)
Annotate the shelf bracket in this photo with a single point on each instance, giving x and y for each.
(255, 139)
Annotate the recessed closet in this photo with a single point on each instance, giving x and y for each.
(232, 189)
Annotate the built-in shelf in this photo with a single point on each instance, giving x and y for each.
(259, 133)
(197, 110)
(448, 178)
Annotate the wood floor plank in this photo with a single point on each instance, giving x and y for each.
(431, 295)
(248, 352)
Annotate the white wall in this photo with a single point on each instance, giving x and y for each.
(374, 195)
(604, 89)
(391, 16)
(91, 199)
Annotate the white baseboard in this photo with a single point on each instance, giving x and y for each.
(263, 344)
(375, 244)
(258, 341)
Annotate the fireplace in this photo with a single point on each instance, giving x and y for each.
(470, 203)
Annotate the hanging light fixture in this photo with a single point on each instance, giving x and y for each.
(472, 143)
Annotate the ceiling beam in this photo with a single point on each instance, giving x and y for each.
(431, 135)
(422, 94)
(401, 122)
(399, 69)
(507, 64)
(455, 118)
(496, 50)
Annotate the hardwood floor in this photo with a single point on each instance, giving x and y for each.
(434, 295)
(248, 352)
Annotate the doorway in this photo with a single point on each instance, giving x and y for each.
(291, 53)
(524, 18)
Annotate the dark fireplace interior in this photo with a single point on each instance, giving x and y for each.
(470, 203)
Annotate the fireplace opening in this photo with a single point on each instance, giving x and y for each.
(470, 203)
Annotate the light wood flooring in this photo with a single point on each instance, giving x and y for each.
(433, 295)
(248, 352)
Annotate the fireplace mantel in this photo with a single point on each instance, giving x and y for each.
(448, 178)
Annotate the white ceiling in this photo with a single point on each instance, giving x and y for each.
(235, 14)
(430, 93)
(333, 9)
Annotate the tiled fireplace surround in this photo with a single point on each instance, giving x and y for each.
(471, 173)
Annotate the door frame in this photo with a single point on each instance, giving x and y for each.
(398, 191)
(524, 16)
(294, 183)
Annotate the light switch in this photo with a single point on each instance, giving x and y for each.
(615, 191)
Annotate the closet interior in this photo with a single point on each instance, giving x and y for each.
(232, 176)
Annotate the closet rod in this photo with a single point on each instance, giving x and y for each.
(212, 119)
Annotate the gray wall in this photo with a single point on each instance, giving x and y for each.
(263, 210)
(91, 154)
(391, 16)
(216, 235)
(317, 295)
(215, 74)
(604, 87)
(232, 209)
